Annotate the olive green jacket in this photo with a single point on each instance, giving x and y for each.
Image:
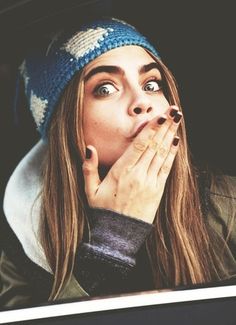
(26, 280)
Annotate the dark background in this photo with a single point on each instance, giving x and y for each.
(196, 41)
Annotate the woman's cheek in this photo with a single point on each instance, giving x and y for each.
(111, 147)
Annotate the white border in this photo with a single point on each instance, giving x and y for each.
(121, 302)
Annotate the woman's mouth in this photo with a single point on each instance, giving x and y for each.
(138, 129)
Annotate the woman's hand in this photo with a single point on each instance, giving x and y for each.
(135, 183)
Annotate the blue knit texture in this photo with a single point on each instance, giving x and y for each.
(47, 73)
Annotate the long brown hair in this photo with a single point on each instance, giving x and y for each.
(180, 248)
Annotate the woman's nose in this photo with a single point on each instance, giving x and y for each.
(140, 104)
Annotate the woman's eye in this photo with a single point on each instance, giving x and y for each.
(104, 90)
(153, 85)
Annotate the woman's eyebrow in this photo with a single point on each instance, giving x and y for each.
(148, 67)
(117, 70)
(103, 68)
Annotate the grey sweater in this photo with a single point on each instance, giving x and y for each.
(114, 260)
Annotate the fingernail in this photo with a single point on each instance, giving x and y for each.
(173, 112)
(88, 153)
(177, 117)
(161, 120)
(175, 141)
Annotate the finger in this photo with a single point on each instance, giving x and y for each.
(168, 163)
(158, 148)
(90, 172)
(164, 147)
(172, 111)
(138, 146)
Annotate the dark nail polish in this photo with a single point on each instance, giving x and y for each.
(161, 120)
(173, 112)
(88, 154)
(177, 117)
(175, 141)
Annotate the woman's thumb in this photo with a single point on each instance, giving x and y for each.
(90, 171)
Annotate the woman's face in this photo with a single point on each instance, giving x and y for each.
(122, 93)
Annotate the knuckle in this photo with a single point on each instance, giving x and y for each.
(173, 128)
(135, 183)
(86, 168)
(162, 152)
(140, 145)
(153, 145)
(165, 169)
(128, 169)
(115, 174)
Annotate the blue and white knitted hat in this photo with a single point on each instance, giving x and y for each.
(46, 74)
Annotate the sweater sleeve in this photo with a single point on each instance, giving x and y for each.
(106, 261)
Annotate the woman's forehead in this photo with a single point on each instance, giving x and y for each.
(130, 54)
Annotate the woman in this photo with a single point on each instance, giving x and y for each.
(109, 201)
